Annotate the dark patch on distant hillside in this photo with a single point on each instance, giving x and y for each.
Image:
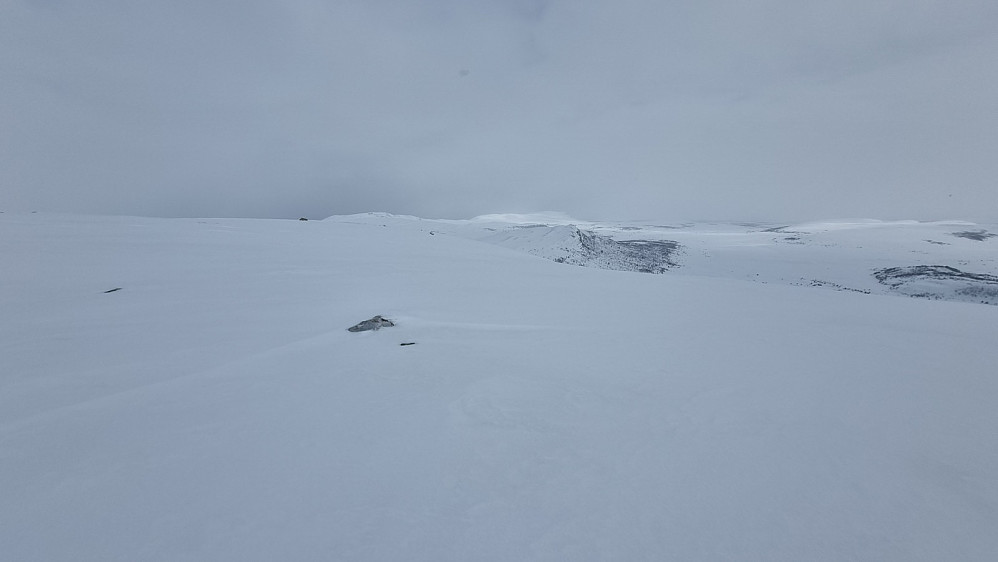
(978, 235)
(653, 256)
(940, 282)
(894, 275)
(574, 246)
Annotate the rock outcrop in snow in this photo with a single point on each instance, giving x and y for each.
(976, 235)
(940, 282)
(375, 323)
(572, 245)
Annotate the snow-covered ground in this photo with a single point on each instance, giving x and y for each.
(215, 407)
(943, 260)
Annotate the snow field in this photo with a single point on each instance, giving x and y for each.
(216, 408)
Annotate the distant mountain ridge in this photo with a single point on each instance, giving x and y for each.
(866, 256)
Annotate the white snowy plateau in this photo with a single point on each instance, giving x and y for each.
(185, 389)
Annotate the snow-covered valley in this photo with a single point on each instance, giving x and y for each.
(187, 389)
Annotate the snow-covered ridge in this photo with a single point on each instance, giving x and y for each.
(843, 255)
(853, 224)
(550, 218)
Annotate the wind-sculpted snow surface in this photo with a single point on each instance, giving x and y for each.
(216, 408)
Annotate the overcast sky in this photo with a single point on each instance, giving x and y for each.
(629, 109)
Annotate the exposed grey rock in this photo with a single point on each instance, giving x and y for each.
(940, 282)
(375, 323)
(894, 276)
(978, 235)
(571, 245)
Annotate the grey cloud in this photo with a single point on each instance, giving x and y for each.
(714, 109)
